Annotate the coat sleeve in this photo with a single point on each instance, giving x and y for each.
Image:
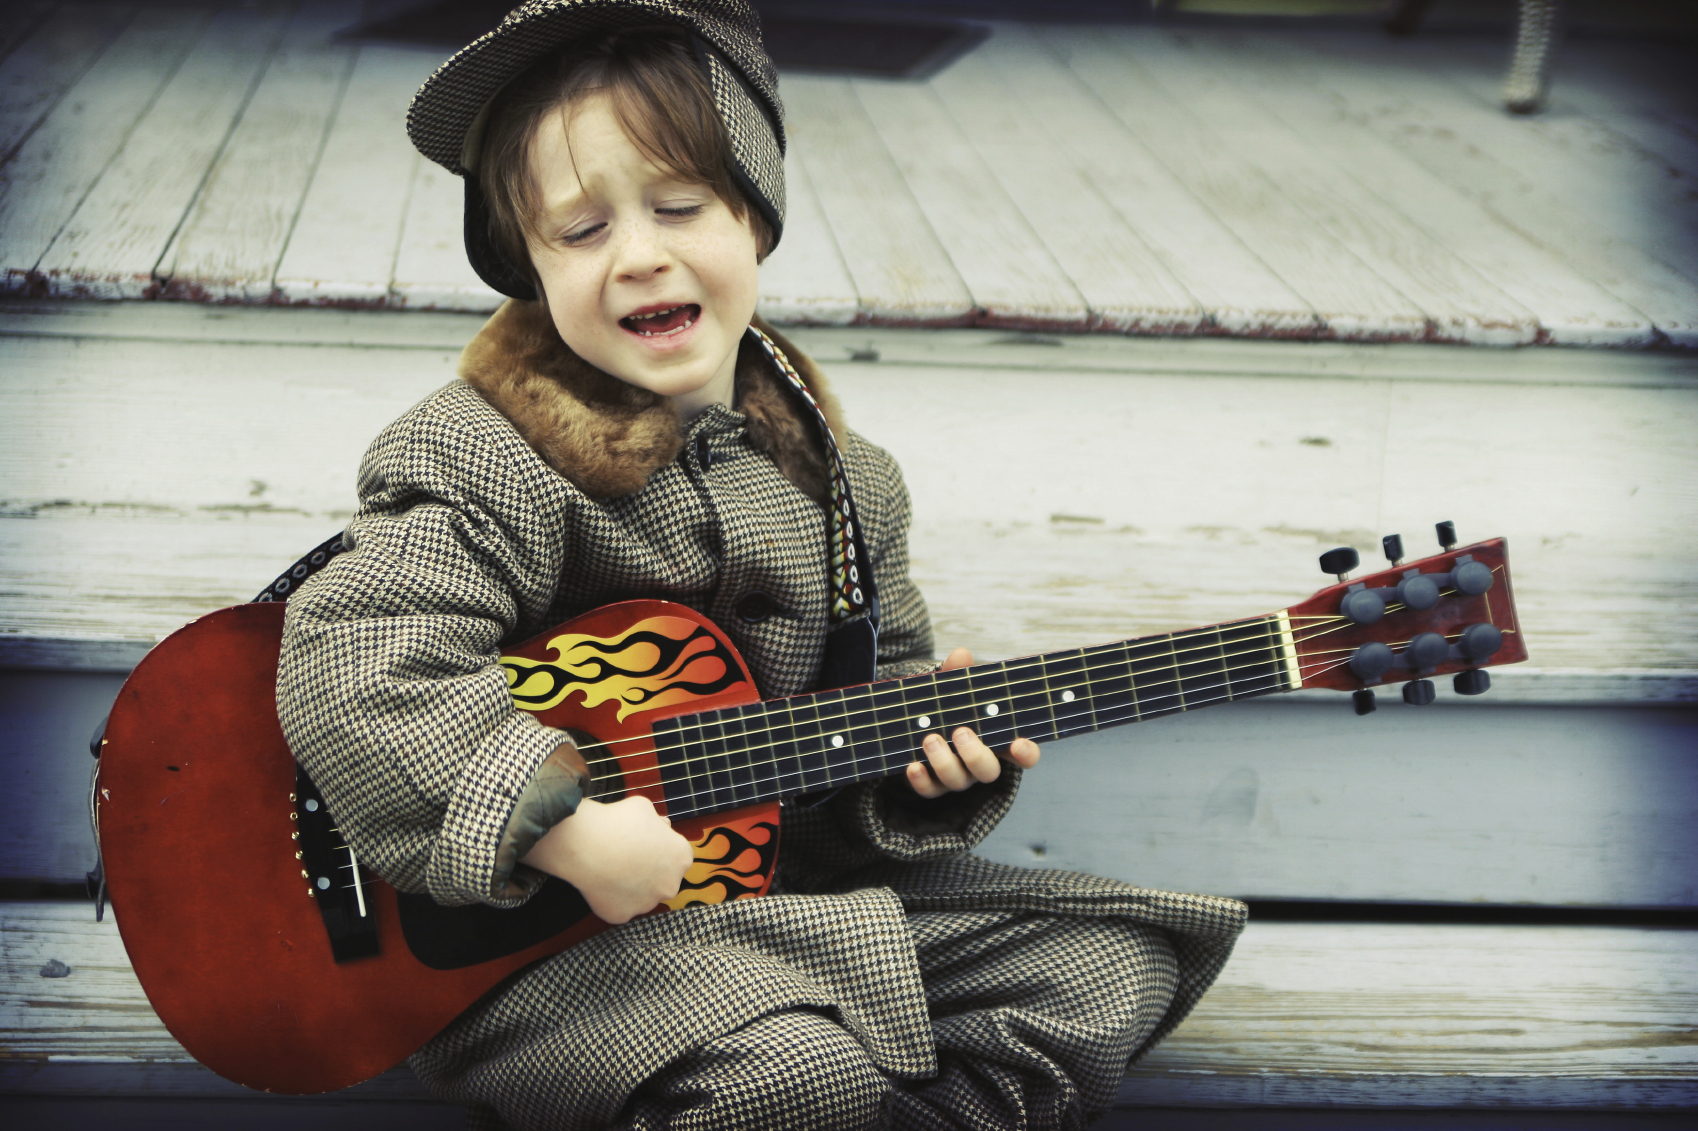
(389, 687)
(887, 819)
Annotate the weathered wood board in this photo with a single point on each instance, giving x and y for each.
(110, 246)
(1182, 482)
(56, 44)
(1360, 1014)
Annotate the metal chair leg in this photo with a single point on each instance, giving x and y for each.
(1535, 45)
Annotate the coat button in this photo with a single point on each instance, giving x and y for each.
(756, 607)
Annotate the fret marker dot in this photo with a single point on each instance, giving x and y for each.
(323, 883)
(837, 740)
(925, 721)
(991, 709)
(1067, 697)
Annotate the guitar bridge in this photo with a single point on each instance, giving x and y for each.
(336, 879)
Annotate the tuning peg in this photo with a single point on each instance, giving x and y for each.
(1447, 535)
(1418, 692)
(1472, 682)
(1340, 561)
(1371, 661)
(1477, 643)
(1393, 546)
(1426, 651)
(1364, 701)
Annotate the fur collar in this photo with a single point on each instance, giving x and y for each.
(608, 437)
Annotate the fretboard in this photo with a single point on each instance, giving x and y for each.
(778, 748)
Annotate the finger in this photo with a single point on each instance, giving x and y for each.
(945, 764)
(924, 784)
(979, 759)
(960, 658)
(1024, 753)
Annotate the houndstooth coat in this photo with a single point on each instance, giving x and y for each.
(921, 986)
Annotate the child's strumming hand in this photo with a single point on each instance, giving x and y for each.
(622, 857)
(971, 761)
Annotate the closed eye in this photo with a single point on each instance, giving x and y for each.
(682, 212)
(582, 235)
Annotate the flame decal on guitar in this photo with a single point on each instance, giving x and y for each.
(710, 872)
(665, 661)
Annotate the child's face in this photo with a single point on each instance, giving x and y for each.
(649, 278)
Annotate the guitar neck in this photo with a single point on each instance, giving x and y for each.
(724, 759)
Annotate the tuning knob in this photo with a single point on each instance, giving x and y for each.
(1392, 544)
(1426, 652)
(1418, 692)
(1340, 561)
(1371, 661)
(1447, 535)
(1418, 592)
(1364, 701)
(1479, 642)
(1472, 578)
(1362, 606)
(1472, 682)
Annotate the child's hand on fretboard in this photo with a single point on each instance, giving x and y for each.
(948, 770)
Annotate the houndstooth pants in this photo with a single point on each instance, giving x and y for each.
(1034, 1018)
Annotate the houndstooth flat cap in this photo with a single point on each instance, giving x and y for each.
(446, 115)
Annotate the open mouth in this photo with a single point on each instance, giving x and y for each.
(660, 323)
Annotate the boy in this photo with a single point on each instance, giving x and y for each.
(622, 431)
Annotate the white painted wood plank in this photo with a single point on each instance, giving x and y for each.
(1009, 272)
(1574, 159)
(27, 17)
(1657, 118)
(230, 242)
(1351, 299)
(1568, 308)
(1484, 803)
(804, 280)
(1322, 181)
(1313, 1013)
(39, 70)
(1417, 1016)
(344, 244)
(1123, 282)
(900, 269)
(51, 172)
(1399, 113)
(110, 246)
(1583, 160)
(1235, 288)
(431, 269)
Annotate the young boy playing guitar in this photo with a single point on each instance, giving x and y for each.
(626, 428)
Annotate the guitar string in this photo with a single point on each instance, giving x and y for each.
(1082, 653)
(1090, 682)
(1084, 709)
(687, 807)
(683, 810)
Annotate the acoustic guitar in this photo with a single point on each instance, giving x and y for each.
(282, 963)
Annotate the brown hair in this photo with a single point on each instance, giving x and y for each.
(659, 97)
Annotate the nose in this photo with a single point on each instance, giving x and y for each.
(641, 252)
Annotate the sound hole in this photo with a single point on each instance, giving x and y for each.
(607, 780)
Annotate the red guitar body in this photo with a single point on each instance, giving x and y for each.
(197, 822)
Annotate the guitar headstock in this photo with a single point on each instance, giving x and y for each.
(1449, 614)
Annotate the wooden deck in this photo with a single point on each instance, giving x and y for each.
(1259, 183)
(1357, 1014)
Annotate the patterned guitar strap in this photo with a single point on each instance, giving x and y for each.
(851, 644)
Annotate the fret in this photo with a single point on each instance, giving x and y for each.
(898, 738)
(858, 758)
(705, 754)
(1156, 665)
(1030, 699)
(993, 711)
(786, 768)
(748, 761)
(953, 699)
(677, 780)
(821, 739)
(1068, 684)
(1255, 663)
(1114, 694)
(1201, 668)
